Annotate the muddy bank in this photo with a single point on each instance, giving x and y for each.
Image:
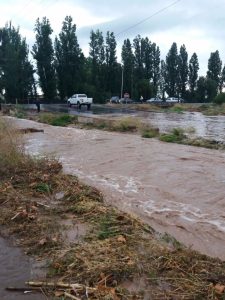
(16, 268)
(175, 188)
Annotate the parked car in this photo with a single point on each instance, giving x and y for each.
(174, 100)
(154, 100)
(114, 99)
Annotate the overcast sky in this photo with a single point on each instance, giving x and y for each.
(199, 24)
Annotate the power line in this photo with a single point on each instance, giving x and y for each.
(146, 19)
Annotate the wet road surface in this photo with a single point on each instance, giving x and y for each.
(174, 188)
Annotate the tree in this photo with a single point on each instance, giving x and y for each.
(183, 71)
(16, 71)
(214, 67)
(201, 89)
(219, 99)
(155, 66)
(138, 57)
(222, 80)
(193, 72)
(97, 58)
(43, 53)
(171, 78)
(162, 82)
(111, 63)
(206, 89)
(128, 66)
(69, 59)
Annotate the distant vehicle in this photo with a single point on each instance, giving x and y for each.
(79, 100)
(114, 99)
(174, 100)
(126, 101)
(154, 100)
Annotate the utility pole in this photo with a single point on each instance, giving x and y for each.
(121, 94)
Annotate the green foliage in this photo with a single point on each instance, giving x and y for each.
(178, 109)
(183, 71)
(214, 68)
(172, 67)
(43, 188)
(108, 227)
(57, 120)
(128, 66)
(176, 136)
(126, 124)
(150, 132)
(43, 53)
(219, 99)
(193, 72)
(16, 71)
(69, 60)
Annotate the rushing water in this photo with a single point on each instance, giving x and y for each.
(210, 127)
(175, 188)
(15, 269)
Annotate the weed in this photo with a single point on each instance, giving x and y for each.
(126, 124)
(149, 132)
(57, 120)
(43, 188)
(176, 136)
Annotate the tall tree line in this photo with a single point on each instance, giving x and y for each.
(61, 69)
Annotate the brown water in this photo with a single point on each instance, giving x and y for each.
(15, 269)
(175, 188)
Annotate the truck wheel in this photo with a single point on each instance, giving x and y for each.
(88, 106)
(69, 104)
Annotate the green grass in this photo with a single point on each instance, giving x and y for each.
(176, 136)
(150, 133)
(57, 120)
(43, 188)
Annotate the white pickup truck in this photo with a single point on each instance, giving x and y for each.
(79, 100)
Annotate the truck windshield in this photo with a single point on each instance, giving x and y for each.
(82, 95)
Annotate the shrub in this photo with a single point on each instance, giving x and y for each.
(176, 136)
(57, 120)
(11, 148)
(150, 132)
(126, 124)
(219, 99)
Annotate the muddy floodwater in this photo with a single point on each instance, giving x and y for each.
(175, 188)
(15, 269)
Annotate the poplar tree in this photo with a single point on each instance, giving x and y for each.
(128, 66)
(69, 60)
(182, 71)
(111, 63)
(171, 76)
(97, 60)
(16, 71)
(214, 67)
(43, 53)
(193, 72)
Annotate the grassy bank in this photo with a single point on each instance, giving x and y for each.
(115, 257)
(205, 108)
(124, 124)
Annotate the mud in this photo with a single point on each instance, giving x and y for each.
(175, 188)
(16, 268)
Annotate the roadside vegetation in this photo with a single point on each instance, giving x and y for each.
(115, 251)
(124, 125)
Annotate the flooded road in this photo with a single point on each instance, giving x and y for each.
(16, 268)
(209, 127)
(175, 188)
